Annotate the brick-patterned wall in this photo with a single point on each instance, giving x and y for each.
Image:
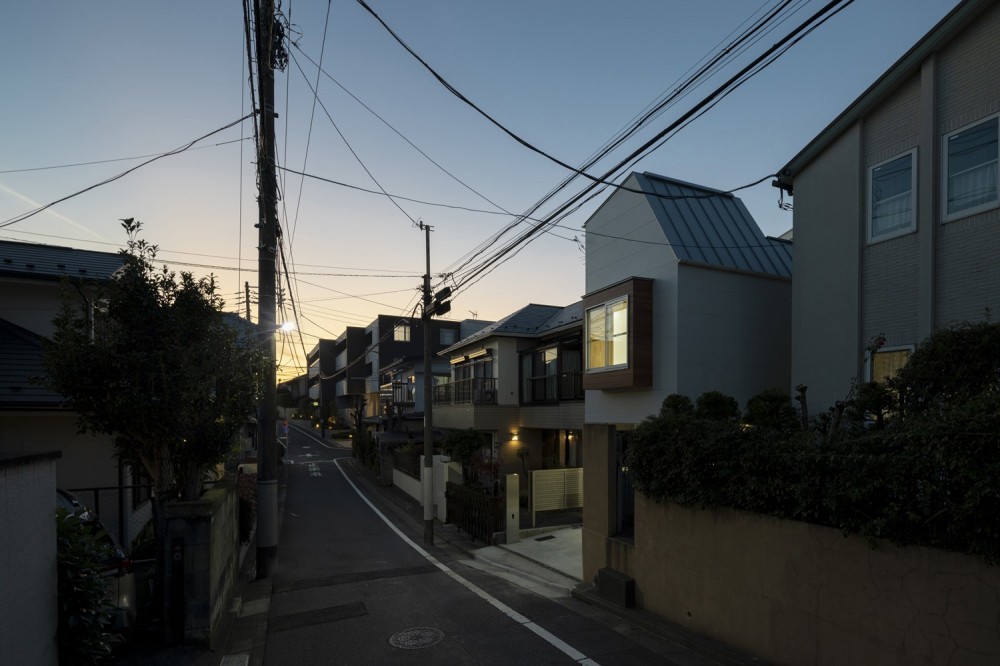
(968, 273)
(890, 290)
(894, 127)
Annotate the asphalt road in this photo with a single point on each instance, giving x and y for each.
(356, 585)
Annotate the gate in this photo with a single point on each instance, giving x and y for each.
(474, 511)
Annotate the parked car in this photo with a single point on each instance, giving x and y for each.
(117, 568)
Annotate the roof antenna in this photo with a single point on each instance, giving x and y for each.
(475, 315)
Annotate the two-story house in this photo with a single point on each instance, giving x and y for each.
(685, 295)
(518, 381)
(897, 209)
(33, 280)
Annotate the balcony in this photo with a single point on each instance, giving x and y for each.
(473, 391)
(553, 388)
(397, 393)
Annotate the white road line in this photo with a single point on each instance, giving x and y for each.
(526, 622)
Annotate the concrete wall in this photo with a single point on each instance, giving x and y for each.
(444, 470)
(206, 533)
(795, 593)
(28, 615)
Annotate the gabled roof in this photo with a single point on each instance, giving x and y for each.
(708, 227)
(52, 262)
(900, 72)
(21, 361)
(531, 321)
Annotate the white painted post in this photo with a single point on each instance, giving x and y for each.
(513, 517)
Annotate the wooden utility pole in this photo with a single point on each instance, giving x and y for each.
(267, 463)
(246, 289)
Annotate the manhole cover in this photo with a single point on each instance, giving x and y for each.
(416, 638)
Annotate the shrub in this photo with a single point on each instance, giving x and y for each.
(915, 461)
(83, 616)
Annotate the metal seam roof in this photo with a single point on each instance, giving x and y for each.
(713, 228)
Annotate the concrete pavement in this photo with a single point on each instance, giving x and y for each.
(547, 564)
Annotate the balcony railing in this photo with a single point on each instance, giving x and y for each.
(476, 391)
(397, 393)
(553, 388)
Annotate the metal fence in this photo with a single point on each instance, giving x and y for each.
(474, 511)
(124, 510)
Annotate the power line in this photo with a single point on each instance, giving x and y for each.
(181, 149)
(115, 159)
(780, 47)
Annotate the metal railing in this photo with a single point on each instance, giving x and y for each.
(115, 508)
(476, 391)
(554, 388)
(475, 512)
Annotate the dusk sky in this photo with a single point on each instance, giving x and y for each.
(112, 83)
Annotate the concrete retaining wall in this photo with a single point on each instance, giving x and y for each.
(796, 593)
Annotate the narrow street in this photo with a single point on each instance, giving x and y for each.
(355, 585)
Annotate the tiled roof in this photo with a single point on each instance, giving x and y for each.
(530, 321)
(21, 362)
(710, 227)
(52, 262)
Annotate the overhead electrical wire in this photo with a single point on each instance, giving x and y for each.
(346, 142)
(24, 216)
(115, 159)
(818, 18)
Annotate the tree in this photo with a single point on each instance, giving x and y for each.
(157, 366)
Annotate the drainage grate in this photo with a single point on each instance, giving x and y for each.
(416, 638)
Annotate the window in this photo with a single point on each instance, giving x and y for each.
(970, 170)
(885, 363)
(401, 333)
(540, 376)
(607, 335)
(891, 210)
(448, 336)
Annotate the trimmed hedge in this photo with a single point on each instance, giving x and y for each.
(927, 471)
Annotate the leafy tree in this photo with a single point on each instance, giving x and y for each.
(160, 369)
(463, 446)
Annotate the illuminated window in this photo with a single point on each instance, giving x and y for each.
(607, 335)
(886, 363)
(401, 333)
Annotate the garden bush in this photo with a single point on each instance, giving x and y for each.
(915, 460)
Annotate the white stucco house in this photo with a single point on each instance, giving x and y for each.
(685, 295)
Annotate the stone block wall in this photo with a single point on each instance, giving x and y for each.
(203, 541)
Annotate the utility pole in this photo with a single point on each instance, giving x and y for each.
(433, 305)
(267, 464)
(425, 315)
(246, 289)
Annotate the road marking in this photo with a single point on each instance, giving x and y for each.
(526, 622)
